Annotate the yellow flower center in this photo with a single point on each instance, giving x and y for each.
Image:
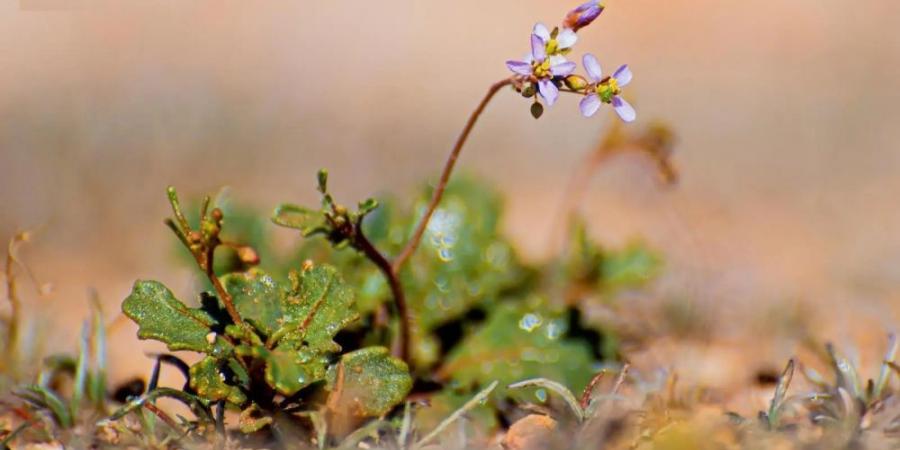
(607, 89)
(542, 70)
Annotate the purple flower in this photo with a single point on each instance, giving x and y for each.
(541, 66)
(606, 90)
(583, 15)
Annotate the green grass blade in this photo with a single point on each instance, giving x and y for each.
(199, 408)
(4, 444)
(97, 382)
(81, 370)
(45, 398)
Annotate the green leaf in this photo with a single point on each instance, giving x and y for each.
(289, 370)
(251, 420)
(370, 381)
(257, 297)
(520, 341)
(463, 260)
(630, 267)
(308, 221)
(316, 308)
(207, 380)
(164, 318)
(367, 206)
(299, 322)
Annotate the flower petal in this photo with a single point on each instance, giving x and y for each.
(566, 38)
(624, 109)
(623, 76)
(519, 67)
(538, 48)
(589, 105)
(549, 91)
(541, 31)
(563, 69)
(592, 66)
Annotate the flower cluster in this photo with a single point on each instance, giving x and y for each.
(546, 71)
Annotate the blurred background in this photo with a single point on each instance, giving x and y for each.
(786, 114)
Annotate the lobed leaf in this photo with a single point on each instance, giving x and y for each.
(164, 318)
(289, 370)
(207, 380)
(257, 298)
(308, 221)
(315, 309)
(370, 381)
(516, 342)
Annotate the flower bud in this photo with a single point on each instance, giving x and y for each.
(583, 15)
(247, 255)
(529, 91)
(576, 82)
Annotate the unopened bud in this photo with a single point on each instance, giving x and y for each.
(248, 255)
(576, 82)
(583, 15)
(529, 91)
(307, 265)
(217, 214)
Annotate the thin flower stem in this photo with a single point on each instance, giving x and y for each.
(413, 243)
(402, 347)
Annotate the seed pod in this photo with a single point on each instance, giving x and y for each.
(537, 110)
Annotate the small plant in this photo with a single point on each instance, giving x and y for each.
(267, 345)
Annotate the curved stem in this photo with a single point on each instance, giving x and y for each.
(413, 243)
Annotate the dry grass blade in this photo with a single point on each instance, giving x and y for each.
(885, 375)
(784, 382)
(405, 427)
(563, 392)
(475, 401)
